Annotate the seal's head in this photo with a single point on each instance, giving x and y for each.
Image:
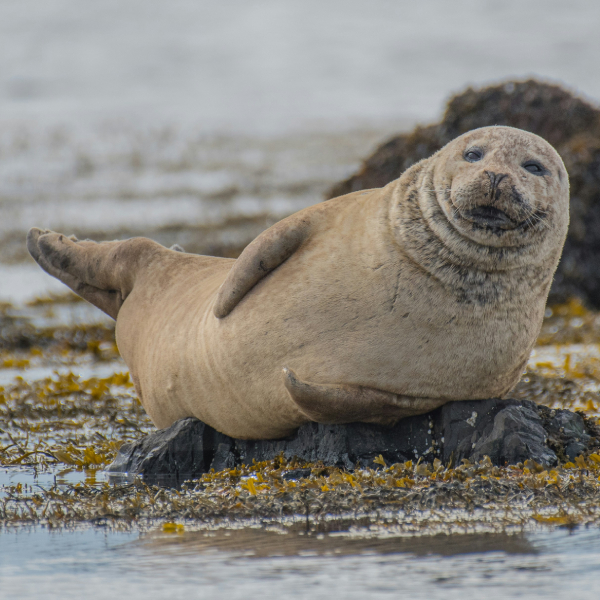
(502, 187)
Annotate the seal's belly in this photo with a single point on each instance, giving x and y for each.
(380, 336)
(452, 362)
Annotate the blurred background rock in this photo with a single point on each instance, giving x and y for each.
(202, 123)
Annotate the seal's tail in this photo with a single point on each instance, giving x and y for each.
(326, 403)
(101, 273)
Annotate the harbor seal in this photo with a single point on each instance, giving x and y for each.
(369, 307)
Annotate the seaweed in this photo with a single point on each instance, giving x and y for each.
(421, 498)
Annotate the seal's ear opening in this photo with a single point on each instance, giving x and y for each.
(325, 403)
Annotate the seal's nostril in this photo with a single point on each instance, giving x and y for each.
(495, 179)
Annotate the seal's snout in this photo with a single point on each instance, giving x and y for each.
(492, 200)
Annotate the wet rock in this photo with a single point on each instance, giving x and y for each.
(182, 451)
(508, 431)
(517, 435)
(345, 445)
(296, 474)
(569, 123)
(567, 431)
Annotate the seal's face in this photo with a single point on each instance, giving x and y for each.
(500, 186)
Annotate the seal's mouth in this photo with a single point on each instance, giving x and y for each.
(489, 217)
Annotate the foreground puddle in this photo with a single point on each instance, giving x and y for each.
(30, 478)
(338, 537)
(256, 562)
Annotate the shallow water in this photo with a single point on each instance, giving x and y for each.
(104, 369)
(257, 563)
(273, 64)
(31, 477)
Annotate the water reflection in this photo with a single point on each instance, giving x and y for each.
(166, 480)
(330, 539)
(258, 562)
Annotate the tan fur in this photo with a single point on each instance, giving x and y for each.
(371, 307)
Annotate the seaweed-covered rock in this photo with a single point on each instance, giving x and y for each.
(570, 124)
(508, 431)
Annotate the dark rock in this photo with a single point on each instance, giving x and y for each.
(344, 445)
(296, 474)
(567, 430)
(508, 431)
(183, 451)
(517, 436)
(569, 123)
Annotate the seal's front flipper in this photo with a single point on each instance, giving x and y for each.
(325, 403)
(259, 258)
(101, 273)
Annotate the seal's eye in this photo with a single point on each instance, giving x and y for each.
(473, 154)
(534, 167)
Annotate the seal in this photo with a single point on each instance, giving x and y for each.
(369, 307)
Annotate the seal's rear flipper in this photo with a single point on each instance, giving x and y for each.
(326, 403)
(101, 273)
(259, 258)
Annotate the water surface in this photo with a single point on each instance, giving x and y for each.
(257, 563)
